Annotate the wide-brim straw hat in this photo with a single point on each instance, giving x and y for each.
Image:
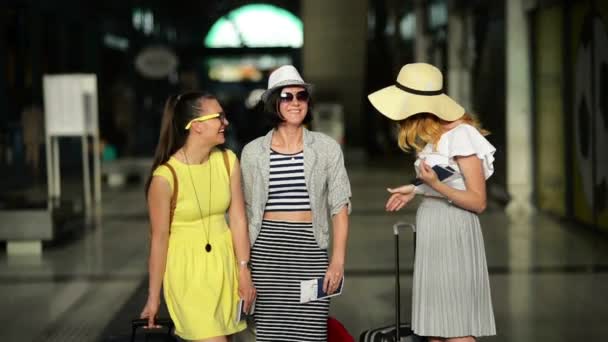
(287, 75)
(419, 89)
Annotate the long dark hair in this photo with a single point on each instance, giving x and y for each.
(179, 110)
(273, 113)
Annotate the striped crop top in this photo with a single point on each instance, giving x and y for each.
(287, 186)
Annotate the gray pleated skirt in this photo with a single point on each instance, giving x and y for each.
(451, 291)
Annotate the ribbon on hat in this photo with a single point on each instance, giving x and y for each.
(419, 92)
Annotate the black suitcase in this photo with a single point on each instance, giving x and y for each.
(398, 331)
(139, 334)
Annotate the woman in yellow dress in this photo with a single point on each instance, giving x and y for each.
(201, 262)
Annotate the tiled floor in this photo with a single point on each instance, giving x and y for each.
(549, 279)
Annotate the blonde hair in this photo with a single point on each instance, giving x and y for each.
(425, 128)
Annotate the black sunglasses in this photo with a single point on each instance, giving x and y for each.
(301, 96)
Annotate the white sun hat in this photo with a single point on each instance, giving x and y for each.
(287, 75)
(419, 89)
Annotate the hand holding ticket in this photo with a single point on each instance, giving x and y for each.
(240, 311)
(312, 289)
(443, 173)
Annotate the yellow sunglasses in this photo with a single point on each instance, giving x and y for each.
(206, 117)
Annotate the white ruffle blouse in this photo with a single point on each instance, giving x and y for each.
(462, 140)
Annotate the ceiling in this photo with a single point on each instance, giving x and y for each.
(190, 19)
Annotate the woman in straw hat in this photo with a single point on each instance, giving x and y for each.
(294, 180)
(451, 290)
(198, 259)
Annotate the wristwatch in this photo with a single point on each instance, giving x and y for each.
(245, 263)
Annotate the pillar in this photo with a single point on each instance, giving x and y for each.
(518, 111)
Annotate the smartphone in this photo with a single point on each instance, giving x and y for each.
(442, 172)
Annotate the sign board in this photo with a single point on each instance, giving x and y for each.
(70, 104)
(156, 62)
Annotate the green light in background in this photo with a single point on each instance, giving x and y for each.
(256, 25)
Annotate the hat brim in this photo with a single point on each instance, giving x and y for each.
(284, 84)
(397, 104)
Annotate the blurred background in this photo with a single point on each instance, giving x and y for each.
(82, 88)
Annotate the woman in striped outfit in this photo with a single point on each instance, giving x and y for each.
(294, 180)
(451, 290)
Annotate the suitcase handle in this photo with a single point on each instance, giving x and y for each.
(400, 224)
(142, 322)
(396, 227)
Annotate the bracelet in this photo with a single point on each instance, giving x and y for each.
(245, 264)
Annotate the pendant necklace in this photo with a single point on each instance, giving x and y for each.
(208, 245)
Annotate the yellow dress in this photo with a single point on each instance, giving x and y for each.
(201, 288)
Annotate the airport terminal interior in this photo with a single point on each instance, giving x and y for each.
(82, 88)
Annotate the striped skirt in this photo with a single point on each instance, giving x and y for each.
(451, 291)
(284, 254)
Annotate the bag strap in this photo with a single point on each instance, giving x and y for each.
(175, 192)
(226, 164)
(176, 184)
